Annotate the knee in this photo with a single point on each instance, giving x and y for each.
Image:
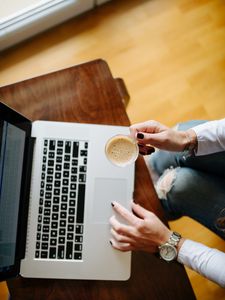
(173, 191)
(173, 185)
(165, 183)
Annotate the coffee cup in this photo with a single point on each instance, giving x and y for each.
(121, 150)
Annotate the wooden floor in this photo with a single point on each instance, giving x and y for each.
(171, 55)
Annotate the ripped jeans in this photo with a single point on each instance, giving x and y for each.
(195, 184)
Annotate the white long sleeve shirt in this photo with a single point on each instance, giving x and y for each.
(204, 260)
(211, 137)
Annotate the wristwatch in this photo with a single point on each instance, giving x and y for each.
(168, 251)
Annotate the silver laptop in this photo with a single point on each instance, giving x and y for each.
(56, 191)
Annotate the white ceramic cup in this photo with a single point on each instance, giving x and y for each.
(121, 150)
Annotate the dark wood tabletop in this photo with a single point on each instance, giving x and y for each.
(88, 93)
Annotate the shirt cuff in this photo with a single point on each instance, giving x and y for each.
(210, 136)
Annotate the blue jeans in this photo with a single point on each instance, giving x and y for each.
(198, 189)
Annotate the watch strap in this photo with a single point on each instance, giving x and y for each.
(174, 238)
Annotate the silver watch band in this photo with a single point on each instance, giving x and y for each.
(174, 238)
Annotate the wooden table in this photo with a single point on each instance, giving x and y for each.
(88, 93)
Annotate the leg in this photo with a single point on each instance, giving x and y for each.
(187, 192)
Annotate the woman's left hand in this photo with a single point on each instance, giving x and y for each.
(143, 229)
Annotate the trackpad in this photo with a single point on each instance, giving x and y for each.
(106, 191)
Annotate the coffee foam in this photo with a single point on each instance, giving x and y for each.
(121, 150)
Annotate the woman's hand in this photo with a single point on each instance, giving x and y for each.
(160, 136)
(143, 229)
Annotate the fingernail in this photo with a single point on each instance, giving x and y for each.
(111, 243)
(140, 135)
(112, 204)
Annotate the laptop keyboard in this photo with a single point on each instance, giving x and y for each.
(61, 204)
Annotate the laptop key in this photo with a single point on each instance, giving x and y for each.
(74, 162)
(44, 254)
(51, 154)
(79, 229)
(83, 169)
(45, 237)
(60, 144)
(50, 162)
(52, 252)
(80, 203)
(59, 159)
(61, 240)
(78, 247)
(46, 220)
(61, 251)
(67, 157)
(50, 171)
(52, 145)
(70, 236)
(78, 238)
(62, 231)
(78, 255)
(67, 147)
(44, 246)
(69, 250)
(83, 153)
(49, 179)
(53, 242)
(75, 149)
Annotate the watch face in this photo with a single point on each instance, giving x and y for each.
(168, 252)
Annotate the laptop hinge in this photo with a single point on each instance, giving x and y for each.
(25, 194)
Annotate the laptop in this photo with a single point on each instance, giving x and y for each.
(56, 189)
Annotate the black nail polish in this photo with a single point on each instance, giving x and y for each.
(110, 242)
(140, 135)
(112, 204)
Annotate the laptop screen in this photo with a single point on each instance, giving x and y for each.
(13, 133)
(11, 166)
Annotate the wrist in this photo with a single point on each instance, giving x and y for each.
(190, 142)
(180, 244)
(165, 237)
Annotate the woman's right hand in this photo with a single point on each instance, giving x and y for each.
(155, 134)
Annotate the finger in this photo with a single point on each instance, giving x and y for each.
(148, 126)
(145, 149)
(120, 228)
(140, 211)
(121, 246)
(124, 213)
(120, 238)
(136, 128)
(148, 138)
